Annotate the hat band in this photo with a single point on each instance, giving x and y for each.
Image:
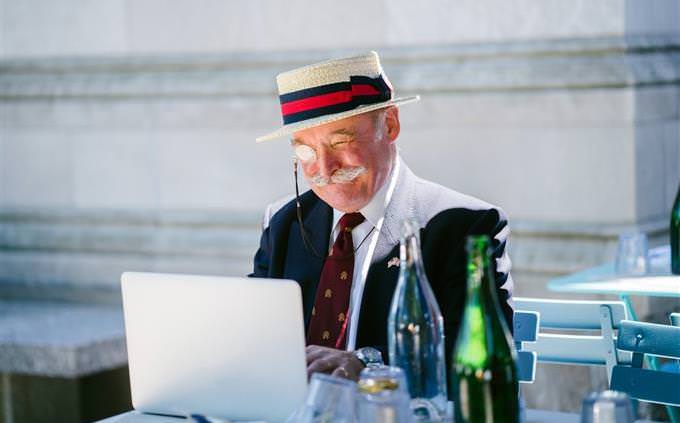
(333, 98)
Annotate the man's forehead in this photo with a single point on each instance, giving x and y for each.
(299, 137)
(345, 127)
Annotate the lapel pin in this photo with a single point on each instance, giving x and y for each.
(394, 261)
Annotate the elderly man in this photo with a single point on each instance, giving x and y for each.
(340, 240)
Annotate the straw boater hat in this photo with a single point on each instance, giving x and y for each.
(332, 90)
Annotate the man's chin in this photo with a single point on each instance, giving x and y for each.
(340, 197)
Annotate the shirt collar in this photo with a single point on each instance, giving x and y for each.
(375, 209)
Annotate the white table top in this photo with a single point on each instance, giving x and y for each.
(604, 279)
(650, 286)
(137, 417)
(532, 416)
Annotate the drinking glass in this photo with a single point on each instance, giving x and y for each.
(383, 396)
(607, 407)
(631, 257)
(382, 379)
(330, 400)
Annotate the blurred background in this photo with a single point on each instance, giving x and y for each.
(127, 143)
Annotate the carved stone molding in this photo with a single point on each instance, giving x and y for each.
(573, 64)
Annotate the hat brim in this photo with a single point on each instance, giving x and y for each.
(310, 123)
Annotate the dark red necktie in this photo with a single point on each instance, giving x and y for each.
(328, 325)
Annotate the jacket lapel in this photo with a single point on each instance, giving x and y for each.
(400, 207)
(384, 271)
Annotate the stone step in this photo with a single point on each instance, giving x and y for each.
(60, 339)
(79, 255)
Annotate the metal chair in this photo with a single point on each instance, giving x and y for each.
(673, 366)
(525, 325)
(646, 384)
(675, 319)
(564, 318)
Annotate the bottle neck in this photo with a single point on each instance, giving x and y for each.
(411, 267)
(478, 269)
(409, 250)
(408, 253)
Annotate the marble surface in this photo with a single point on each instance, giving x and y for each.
(652, 286)
(78, 27)
(79, 255)
(572, 118)
(60, 339)
(589, 63)
(656, 282)
(111, 108)
(532, 416)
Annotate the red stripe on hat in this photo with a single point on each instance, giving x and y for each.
(325, 100)
(315, 102)
(364, 89)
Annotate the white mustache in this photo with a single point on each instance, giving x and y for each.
(340, 176)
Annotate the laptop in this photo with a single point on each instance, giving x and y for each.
(230, 348)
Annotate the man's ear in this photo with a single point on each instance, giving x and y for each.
(392, 125)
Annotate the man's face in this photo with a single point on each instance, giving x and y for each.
(350, 158)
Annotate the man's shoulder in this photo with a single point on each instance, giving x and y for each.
(436, 209)
(447, 215)
(282, 205)
(284, 209)
(433, 199)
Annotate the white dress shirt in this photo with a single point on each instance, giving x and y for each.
(362, 235)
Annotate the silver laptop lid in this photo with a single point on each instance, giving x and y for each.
(231, 348)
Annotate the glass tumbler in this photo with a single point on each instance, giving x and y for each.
(607, 407)
(383, 396)
(631, 257)
(330, 400)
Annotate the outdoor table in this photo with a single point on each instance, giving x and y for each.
(603, 279)
(657, 282)
(532, 416)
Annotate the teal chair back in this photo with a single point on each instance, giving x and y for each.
(525, 329)
(576, 332)
(644, 384)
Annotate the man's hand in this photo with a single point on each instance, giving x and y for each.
(334, 362)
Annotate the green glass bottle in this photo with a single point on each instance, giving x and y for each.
(675, 235)
(483, 374)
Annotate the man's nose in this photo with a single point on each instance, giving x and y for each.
(327, 163)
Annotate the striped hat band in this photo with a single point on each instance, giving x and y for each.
(332, 90)
(333, 98)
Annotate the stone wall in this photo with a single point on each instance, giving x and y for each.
(127, 129)
(38, 28)
(129, 160)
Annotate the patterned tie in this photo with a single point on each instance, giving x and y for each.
(328, 324)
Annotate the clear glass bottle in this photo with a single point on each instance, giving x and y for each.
(415, 332)
(484, 380)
